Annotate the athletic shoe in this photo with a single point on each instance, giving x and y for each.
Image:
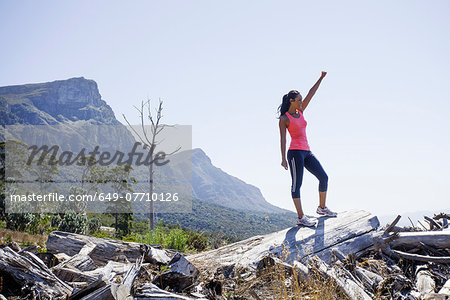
(325, 212)
(305, 221)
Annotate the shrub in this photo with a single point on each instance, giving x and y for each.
(94, 225)
(73, 222)
(197, 241)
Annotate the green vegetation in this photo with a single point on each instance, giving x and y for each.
(168, 236)
(233, 223)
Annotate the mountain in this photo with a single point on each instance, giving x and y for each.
(66, 110)
(70, 108)
(54, 102)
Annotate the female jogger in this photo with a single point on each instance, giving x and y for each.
(299, 155)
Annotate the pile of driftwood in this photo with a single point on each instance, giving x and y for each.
(83, 267)
(403, 263)
(362, 260)
(411, 262)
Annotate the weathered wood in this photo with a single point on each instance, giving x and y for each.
(104, 293)
(273, 264)
(93, 286)
(124, 289)
(156, 256)
(423, 258)
(390, 227)
(342, 278)
(431, 249)
(28, 269)
(80, 261)
(433, 223)
(298, 242)
(361, 274)
(409, 240)
(149, 291)
(105, 249)
(442, 216)
(424, 281)
(445, 290)
(181, 274)
(375, 278)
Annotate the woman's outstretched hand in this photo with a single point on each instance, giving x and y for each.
(284, 164)
(323, 74)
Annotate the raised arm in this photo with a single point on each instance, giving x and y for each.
(312, 91)
(283, 127)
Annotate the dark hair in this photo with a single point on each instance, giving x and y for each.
(286, 102)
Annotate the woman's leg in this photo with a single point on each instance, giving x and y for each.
(295, 162)
(313, 165)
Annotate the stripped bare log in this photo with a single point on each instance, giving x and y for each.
(409, 240)
(105, 249)
(423, 258)
(28, 270)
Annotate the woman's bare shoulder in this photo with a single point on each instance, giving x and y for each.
(284, 119)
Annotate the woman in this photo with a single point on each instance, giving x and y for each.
(299, 155)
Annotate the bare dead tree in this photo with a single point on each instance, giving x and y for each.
(149, 141)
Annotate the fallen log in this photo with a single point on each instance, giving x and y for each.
(423, 258)
(409, 240)
(105, 249)
(351, 229)
(29, 271)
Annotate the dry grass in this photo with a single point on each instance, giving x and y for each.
(279, 282)
(273, 282)
(22, 238)
(276, 284)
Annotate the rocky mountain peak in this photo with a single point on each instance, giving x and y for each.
(53, 102)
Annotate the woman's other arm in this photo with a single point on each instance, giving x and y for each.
(312, 91)
(282, 125)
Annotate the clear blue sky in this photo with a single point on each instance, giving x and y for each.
(379, 123)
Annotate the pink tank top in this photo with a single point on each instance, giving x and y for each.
(297, 130)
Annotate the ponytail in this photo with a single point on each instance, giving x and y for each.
(286, 102)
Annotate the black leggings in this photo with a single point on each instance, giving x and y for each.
(297, 159)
